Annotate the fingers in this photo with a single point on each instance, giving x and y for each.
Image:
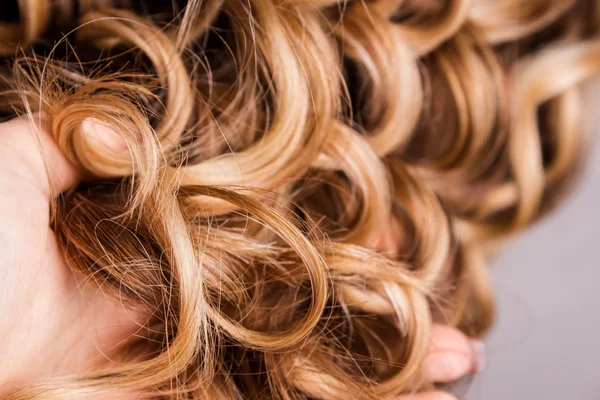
(452, 355)
(29, 153)
(427, 396)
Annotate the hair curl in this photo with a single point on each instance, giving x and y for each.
(269, 143)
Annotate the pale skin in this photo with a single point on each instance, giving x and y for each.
(52, 324)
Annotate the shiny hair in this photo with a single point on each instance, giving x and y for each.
(306, 184)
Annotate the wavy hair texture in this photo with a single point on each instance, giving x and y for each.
(269, 143)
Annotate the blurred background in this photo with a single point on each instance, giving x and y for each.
(546, 343)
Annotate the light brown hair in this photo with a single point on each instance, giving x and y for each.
(269, 145)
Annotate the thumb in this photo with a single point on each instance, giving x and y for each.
(28, 149)
(29, 153)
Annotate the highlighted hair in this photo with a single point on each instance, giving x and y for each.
(269, 143)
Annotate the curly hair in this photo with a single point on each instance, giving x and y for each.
(267, 146)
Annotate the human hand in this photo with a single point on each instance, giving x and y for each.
(451, 356)
(52, 323)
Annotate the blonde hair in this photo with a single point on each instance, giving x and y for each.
(269, 144)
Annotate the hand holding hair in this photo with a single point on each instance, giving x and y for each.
(55, 322)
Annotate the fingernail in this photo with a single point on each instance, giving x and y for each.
(478, 348)
(103, 134)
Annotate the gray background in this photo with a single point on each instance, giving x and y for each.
(545, 344)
